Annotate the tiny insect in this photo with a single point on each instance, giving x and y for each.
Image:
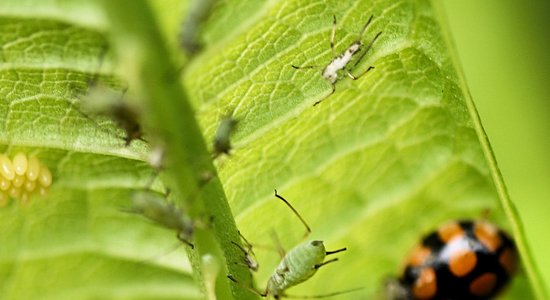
(249, 255)
(192, 25)
(156, 208)
(222, 139)
(297, 266)
(104, 101)
(340, 62)
(461, 260)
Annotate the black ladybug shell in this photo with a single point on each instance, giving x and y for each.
(464, 260)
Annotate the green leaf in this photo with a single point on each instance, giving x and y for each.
(380, 162)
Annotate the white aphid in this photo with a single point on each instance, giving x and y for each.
(340, 62)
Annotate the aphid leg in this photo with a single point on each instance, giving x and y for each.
(366, 50)
(325, 263)
(335, 251)
(308, 230)
(332, 35)
(331, 92)
(360, 75)
(306, 67)
(323, 295)
(183, 239)
(278, 245)
(264, 294)
(249, 262)
(158, 256)
(248, 245)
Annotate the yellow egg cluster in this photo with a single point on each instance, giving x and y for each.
(21, 177)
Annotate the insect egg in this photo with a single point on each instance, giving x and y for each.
(30, 186)
(45, 176)
(20, 163)
(33, 168)
(18, 181)
(4, 184)
(6, 167)
(15, 192)
(21, 177)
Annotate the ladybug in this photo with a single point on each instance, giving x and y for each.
(461, 260)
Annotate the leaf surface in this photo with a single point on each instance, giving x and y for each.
(382, 161)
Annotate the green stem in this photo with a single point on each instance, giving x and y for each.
(153, 76)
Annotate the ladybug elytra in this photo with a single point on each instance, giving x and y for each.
(461, 260)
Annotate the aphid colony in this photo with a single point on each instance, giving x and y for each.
(21, 177)
(461, 260)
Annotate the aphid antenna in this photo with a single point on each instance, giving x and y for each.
(326, 263)
(336, 251)
(252, 290)
(323, 295)
(308, 229)
(365, 52)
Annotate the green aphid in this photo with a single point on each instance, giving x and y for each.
(158, 209)
(296, 266)
(222, 139)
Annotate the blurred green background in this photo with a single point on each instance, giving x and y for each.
(504, 48)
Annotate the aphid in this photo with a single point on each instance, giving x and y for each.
(127, 119)
(297, 266)
(103, 101)
(340, 62)
(21, 177)
(222, 139)
(249, 255)
(192, 24)
(156, 208)
(461, 260)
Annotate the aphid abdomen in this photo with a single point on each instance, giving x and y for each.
(340, 62)
(157, 209)
(222, 139)
(300, 263)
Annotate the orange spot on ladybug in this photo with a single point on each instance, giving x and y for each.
(462, 262)
(483, 285)
(450, 231)
(418, 256)
(425, 285)
(488, 235)
(508, 259)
